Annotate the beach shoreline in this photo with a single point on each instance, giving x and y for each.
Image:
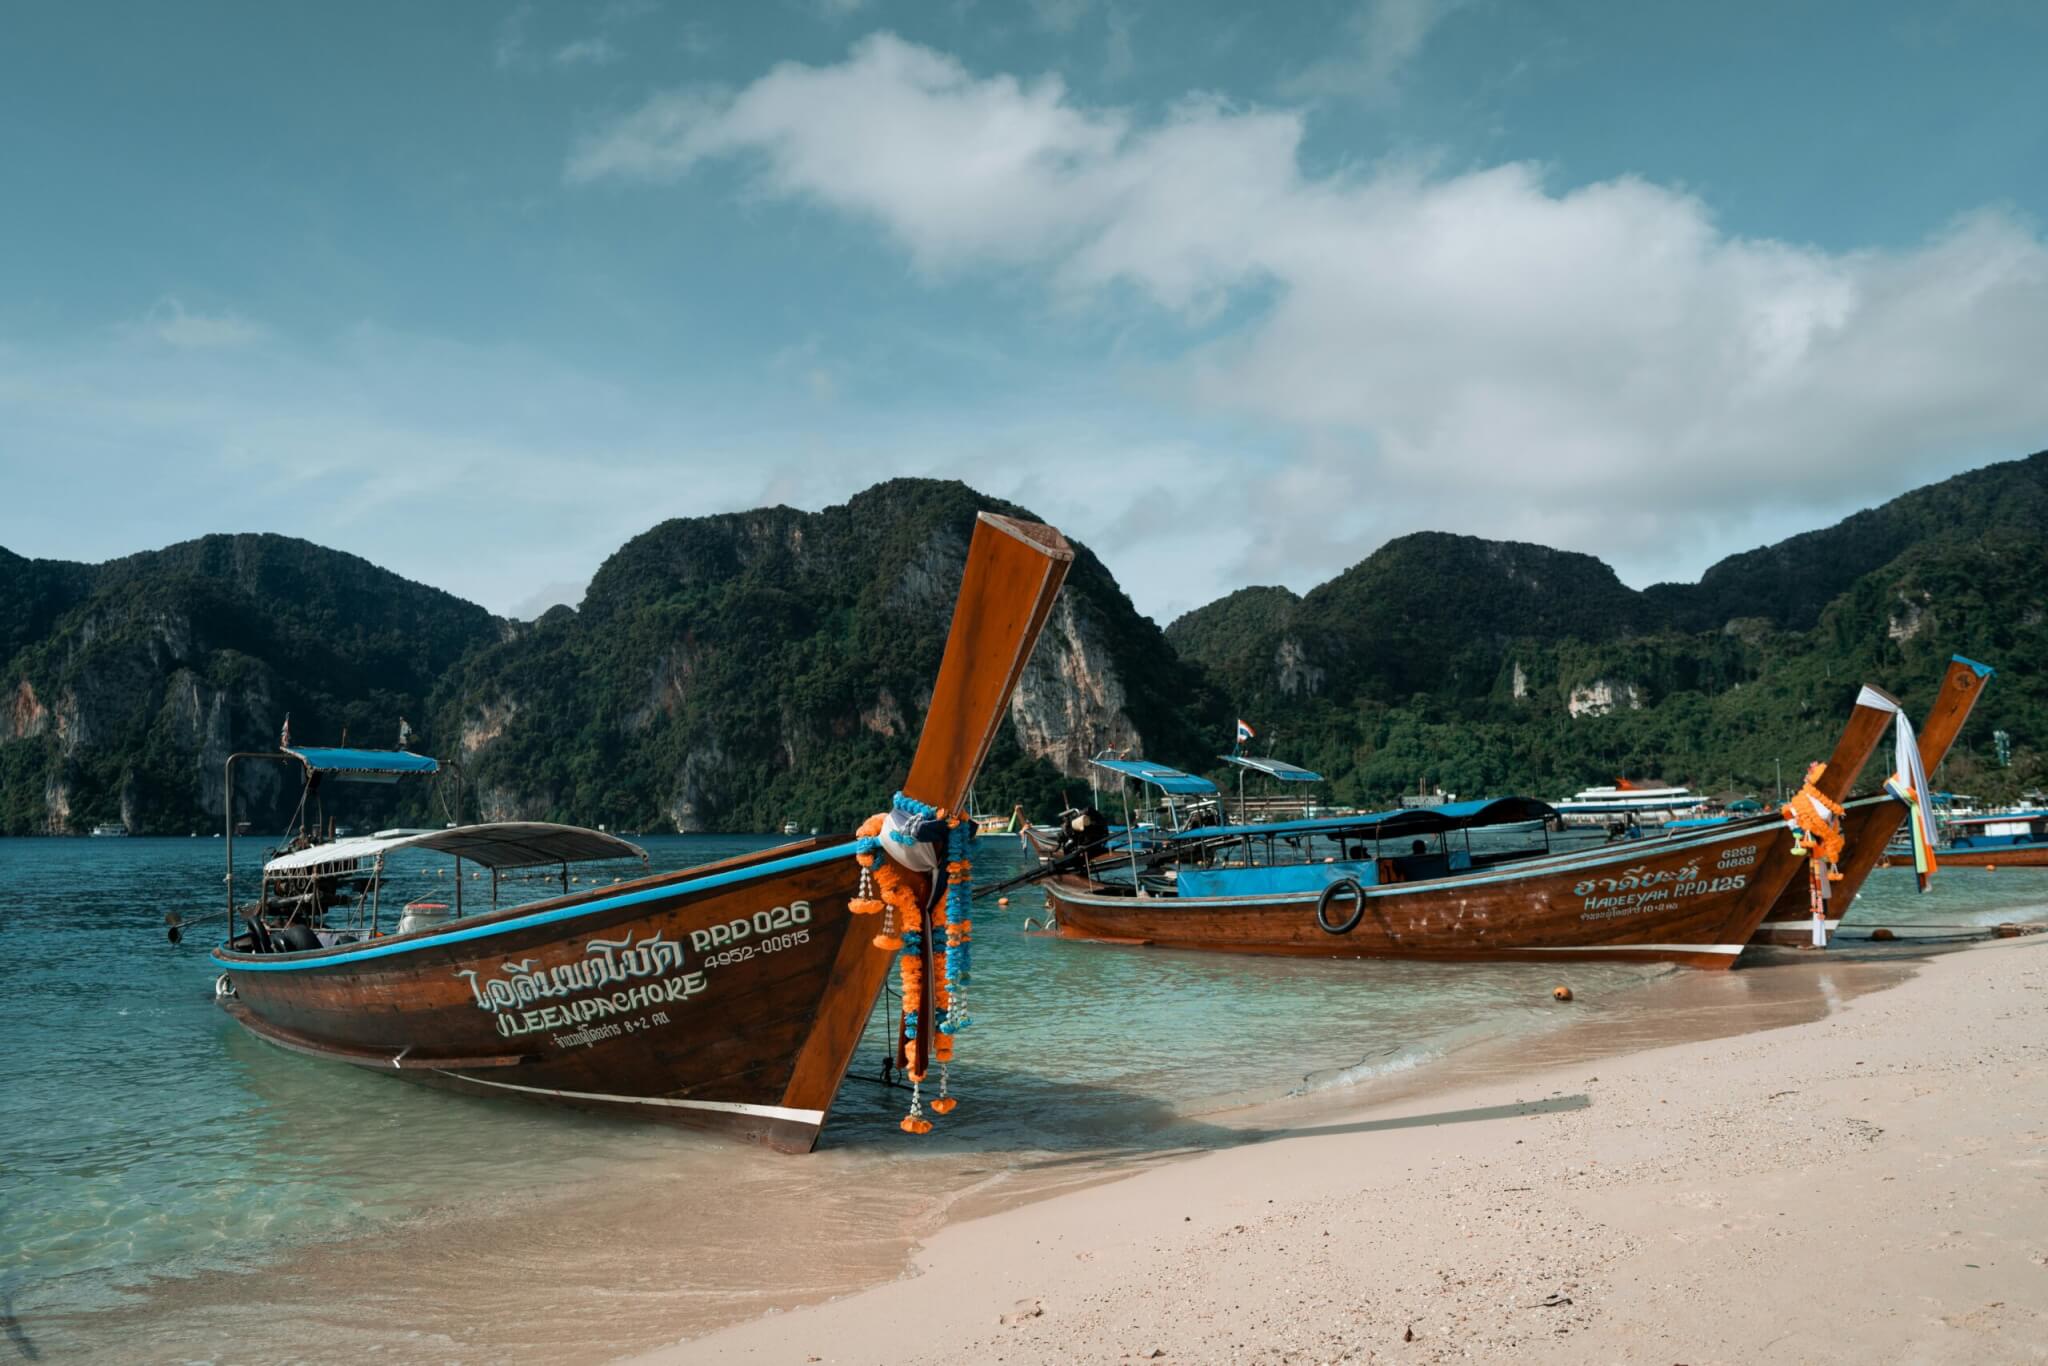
(1871, 1185)
(683, 1246)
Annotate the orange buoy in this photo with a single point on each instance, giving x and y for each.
(1002, 901)
(1561, 993)
(1883, 935)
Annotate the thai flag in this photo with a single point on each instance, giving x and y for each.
(1244, 730)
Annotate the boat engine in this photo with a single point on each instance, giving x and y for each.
(1084, 828)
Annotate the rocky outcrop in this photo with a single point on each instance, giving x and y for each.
(885, 717)
(486, 724)
(668, 687)
(1601, 696)
(1069, 704)
(699, 792)
(1910, 619)
(1293, 672)
(27, 717)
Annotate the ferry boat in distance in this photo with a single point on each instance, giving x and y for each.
(105, 831)
(1646, 802)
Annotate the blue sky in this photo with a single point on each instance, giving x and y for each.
(479, 291)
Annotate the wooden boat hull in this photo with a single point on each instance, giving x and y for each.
(1868, 823)
(2011, 856)
(728, 998)
(1692, 900)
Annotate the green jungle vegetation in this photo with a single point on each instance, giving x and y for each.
(1451, 661)
(735, 671)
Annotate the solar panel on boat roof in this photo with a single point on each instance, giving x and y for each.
(1273, 768)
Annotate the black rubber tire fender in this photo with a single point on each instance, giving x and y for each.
(1357, 893)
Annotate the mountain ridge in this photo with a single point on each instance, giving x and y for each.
(741, 669)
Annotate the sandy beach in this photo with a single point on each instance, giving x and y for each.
(1871, 1186)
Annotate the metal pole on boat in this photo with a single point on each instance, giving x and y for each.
(458, 886)
(376, 892)
(228, 815)
(1130, 834)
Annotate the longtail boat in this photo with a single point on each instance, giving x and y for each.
(1146, 823)
(1870, 822)
(729, 996)
(1328, 888)
(2013, 839)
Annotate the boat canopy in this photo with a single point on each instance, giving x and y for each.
(1273, 768)
(1407, 820)
(503, 844)
(365, 765)
(1166, 779)
(2010, 817)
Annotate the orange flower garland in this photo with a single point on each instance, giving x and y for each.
(1816, 822)
(898, 895)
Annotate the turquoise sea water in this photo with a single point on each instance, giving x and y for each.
(143, 1137)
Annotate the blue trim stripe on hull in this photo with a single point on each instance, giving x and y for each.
(294, 963)
(1520, 871)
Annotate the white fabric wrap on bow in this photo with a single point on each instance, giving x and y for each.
(901, 844)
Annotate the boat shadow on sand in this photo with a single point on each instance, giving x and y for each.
(1213, 1138)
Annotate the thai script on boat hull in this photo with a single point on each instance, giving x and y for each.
(1638, 876)
(605, 962)
(575, 1013)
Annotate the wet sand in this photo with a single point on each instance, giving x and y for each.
(671, 1250)
(1867, 1184)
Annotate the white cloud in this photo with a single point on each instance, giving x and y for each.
(1060, 16)
(1119, 58)
(599, 51)
(171, 323)
(1601, 367)
(1384, 37)
(513, 47)
(508, 47)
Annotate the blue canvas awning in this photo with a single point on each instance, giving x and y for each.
(372, 764)
(1407, 820)
(1273, 768)
(1170, 780)
(1496, 811)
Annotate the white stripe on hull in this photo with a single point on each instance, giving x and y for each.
(1631, 948)
(733, 1107)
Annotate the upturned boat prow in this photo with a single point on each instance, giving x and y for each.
(728, 997)
(1692, 899)
(1869, 822)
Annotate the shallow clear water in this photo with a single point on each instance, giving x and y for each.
(142, 1135)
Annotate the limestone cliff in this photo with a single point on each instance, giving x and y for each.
(132, 681)
(744, 670)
